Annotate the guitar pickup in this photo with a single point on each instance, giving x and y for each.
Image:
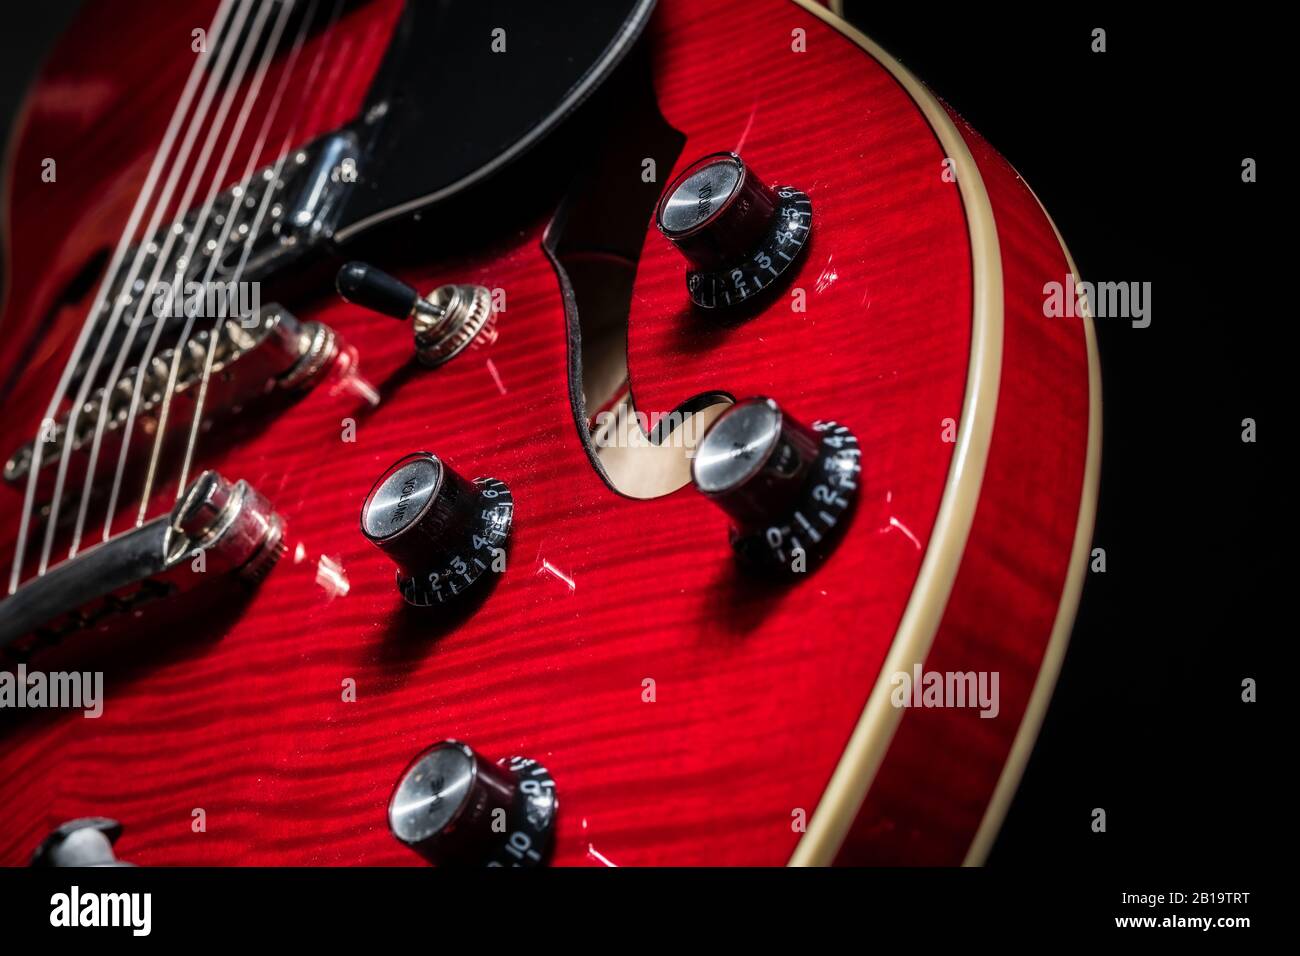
(216, 528)
(270, 352)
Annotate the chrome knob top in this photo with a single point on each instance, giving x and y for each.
(401, 496)
(703, 191)
(755, 460)
(86, 841)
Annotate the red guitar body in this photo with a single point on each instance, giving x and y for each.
(688, 713)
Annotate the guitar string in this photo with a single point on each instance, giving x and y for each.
(178, 354)
(89, 325)
(286, 144)
(181, 262)
(250, 241)
(164, 260)
(88, 381)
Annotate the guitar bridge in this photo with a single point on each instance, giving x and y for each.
(276, 352)
(217, 528)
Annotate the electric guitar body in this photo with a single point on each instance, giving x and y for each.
(689, 706)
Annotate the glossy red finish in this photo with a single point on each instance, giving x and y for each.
(930, 793)
(757, 689)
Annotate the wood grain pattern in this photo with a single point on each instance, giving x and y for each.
(932, 790)
(237, 709)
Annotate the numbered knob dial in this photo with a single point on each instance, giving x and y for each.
(444, 532)
(738, 234)
(456, 808)
(788, 487)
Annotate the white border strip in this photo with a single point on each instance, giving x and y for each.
(1054, 655)
(875, 729)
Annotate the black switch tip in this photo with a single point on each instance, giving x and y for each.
(371, 288)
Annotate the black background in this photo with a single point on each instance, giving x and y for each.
(1137, 154)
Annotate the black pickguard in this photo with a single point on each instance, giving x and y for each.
(447, 110)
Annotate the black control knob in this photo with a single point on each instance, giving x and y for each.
(739, 234)
(444, 532)
(445, 321)
(788, 487)
(455, 808)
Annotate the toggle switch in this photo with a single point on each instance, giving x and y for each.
(445, 321)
